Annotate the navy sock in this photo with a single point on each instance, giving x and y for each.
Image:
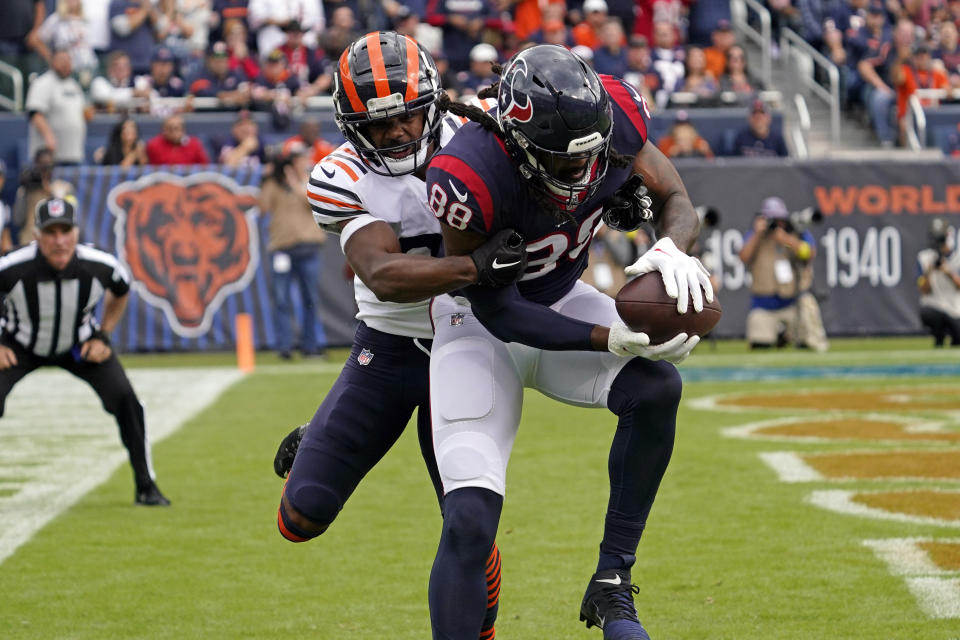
(458, 581)
(645, 396)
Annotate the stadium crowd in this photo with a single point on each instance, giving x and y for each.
(159, 56)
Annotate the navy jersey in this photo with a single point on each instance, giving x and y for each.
(473, 184)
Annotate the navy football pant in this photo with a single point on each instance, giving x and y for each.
(361, 417)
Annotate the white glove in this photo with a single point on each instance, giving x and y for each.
(625, 343)
(683, 276)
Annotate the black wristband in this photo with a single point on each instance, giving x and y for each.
(101, 336)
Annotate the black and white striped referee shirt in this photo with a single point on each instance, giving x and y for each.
(48, 312)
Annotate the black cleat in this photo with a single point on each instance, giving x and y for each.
(151, 497)
(283, 461)
(608, 604)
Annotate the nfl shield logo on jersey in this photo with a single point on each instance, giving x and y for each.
(456, 319)
(365, 357)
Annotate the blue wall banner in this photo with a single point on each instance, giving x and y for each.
(195, 243)
(876, 218)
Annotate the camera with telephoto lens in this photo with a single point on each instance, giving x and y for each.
(801, 220)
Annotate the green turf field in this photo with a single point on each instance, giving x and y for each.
(731, 552)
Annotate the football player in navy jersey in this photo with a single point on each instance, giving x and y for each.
(371, 191)
(551, 163)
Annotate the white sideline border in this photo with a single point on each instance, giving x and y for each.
(57, 443)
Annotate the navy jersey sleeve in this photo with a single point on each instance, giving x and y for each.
(460, 196)
(631, 115)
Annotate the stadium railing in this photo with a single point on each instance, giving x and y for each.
(806, 60)
(762, 37)
(930, 124)
(13, 102)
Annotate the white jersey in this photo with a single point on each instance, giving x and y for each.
(343, 188)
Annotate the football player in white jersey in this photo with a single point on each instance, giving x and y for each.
(371, 190)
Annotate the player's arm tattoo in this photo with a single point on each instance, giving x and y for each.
(673, 211)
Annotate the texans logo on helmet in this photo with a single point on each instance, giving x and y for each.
(509, 108)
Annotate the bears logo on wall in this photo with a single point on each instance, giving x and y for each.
(189, 243)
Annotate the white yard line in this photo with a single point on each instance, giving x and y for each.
(57, 443)
(841, 501)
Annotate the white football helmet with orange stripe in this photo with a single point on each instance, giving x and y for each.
(383, 75)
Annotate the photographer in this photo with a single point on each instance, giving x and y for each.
(36, 184)
(780, 260)
(939, 284)
(294, 245)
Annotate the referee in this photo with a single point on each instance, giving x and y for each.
(51, 289)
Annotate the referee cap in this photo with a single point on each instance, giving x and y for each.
(55, 211)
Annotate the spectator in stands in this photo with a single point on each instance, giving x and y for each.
(611, 56)
(125, 147)
(295, 241)
(696, 78)
(668, 60)
(683, 140)
(187, 26)
(834, 46)
(36, 183)
(309, 65)
(953, 144)
(133, 29)
(463, 24)
(780, 261)
(482, 58)
(240, 57)
(736, 77)
(116, 90)
(58, 112)
(341, 31)
(640, 72)
(66, 28)
(876, 69)
(244, 147)
(6, 239)
(310, 138)
(917, 72)
(20, 43)
(268, 18)
(172, 146)
(948, 52)
(587, 33)
(939, 283)
(705, 18)
(758, 138)
(556, 32)
(722, 39)
(448, 77)
(649, 12)
(217, 81)
(223, 11)
(162, 81)
(97, 15)
(276, 88)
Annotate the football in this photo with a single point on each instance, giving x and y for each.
(643, 305)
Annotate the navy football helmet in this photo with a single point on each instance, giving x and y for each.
(557, 120)
(380, 76)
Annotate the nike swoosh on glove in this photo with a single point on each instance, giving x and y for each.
(625, 343)
(501, 260)
(683, 275)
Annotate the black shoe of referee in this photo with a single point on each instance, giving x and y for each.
(150, 496)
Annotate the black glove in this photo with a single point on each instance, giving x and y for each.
(501, 260)
(629, 206)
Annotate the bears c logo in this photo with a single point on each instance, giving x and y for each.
(509, 107)
(189, 243)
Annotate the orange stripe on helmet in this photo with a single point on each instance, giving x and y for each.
(349, 88)
(413, 70)
(377, 65)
